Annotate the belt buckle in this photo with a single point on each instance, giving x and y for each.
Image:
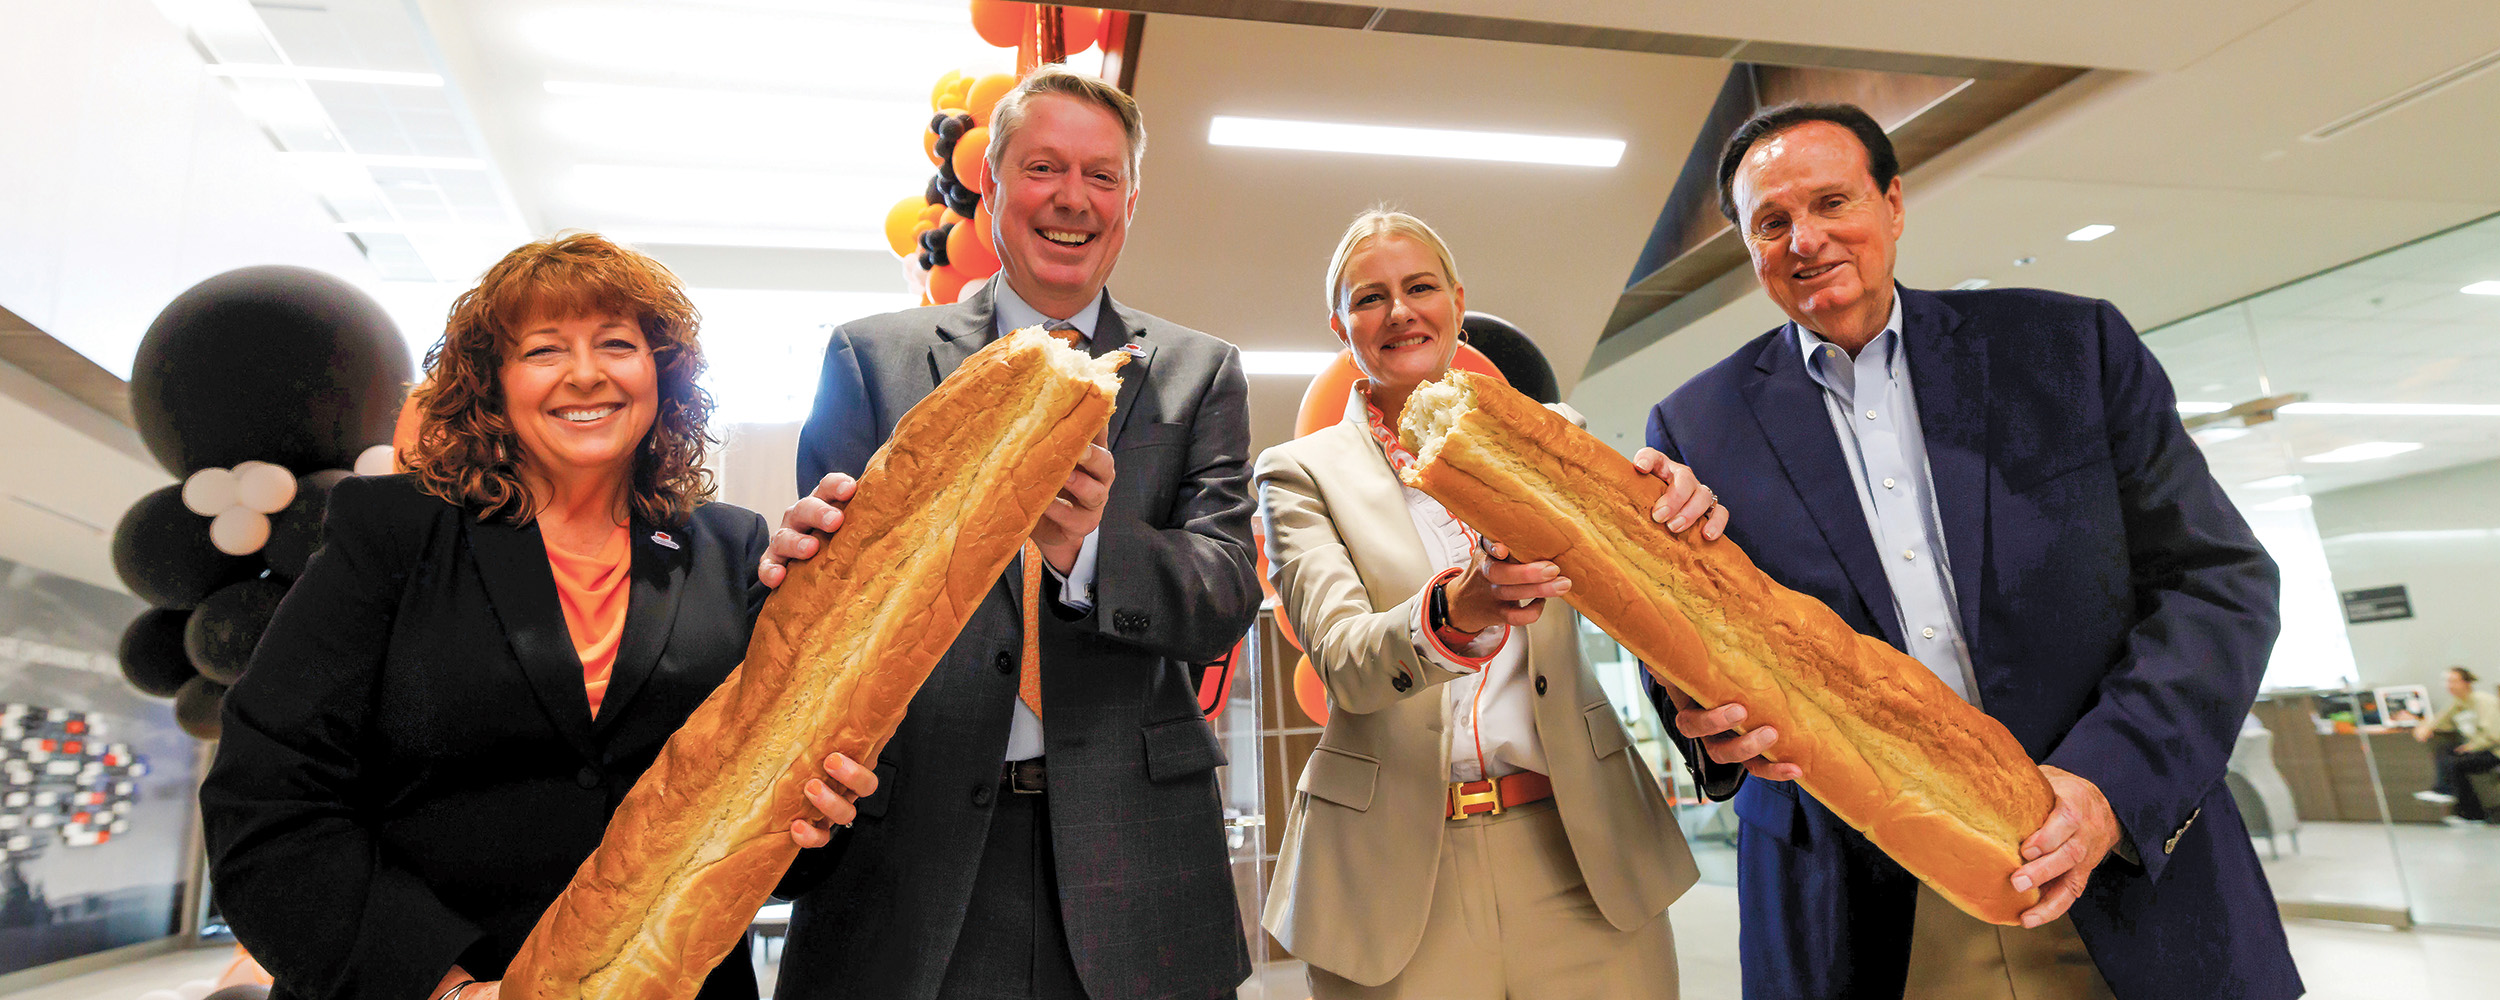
(1022, 771)
(1460, 798)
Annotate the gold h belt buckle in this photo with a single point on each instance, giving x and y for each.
(1461, 798)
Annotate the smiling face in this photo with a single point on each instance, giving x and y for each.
(1820, 232)
(581, 394)
(1061, 203)
(1399, 312)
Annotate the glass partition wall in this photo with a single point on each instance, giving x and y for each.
(2354, 417)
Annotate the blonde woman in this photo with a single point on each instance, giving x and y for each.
(1474, 822)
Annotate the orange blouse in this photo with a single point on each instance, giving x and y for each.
(594, 592)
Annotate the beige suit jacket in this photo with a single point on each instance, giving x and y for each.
(1354, 878)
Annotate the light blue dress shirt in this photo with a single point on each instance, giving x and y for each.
(1875, 415)
(1076, 589)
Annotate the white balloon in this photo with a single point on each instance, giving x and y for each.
(209, 491)
(195, 989)
(263, 487)
(239, 531)
(378, 460)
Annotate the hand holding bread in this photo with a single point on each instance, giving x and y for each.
(1493, 590)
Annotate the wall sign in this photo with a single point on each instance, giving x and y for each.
(2377, 604)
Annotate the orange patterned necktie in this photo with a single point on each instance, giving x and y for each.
(1029, 677)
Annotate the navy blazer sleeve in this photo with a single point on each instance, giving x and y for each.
(1716, 780)
(305, 883)
(2170, 710)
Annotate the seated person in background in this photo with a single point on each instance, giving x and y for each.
(2462, 738)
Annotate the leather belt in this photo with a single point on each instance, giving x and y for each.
(1025, 777)
(1470, 798)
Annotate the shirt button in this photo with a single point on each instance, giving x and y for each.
(1870, 414)
(1887, 482)
(1909, 553)
(1927, 633)
(1540, 684)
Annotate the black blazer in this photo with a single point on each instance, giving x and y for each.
(410, 772)
(1137, 828)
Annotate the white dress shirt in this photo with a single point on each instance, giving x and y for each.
(1488, 715)
(1076, 587)
(1875, 414)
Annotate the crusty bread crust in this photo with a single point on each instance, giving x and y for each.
(1940, 786)
(836, 656)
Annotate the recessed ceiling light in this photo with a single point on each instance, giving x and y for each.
(2273, 482)
(2285, 503)
(2364, 452)
(2089, 233)
(1970, 284)
(1400, 140)
(1286, 362)
(2482, 288)
(328, 74)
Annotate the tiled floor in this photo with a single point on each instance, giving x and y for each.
(2452, 873)
(2340, 962)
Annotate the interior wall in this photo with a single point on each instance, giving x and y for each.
(2438, 534)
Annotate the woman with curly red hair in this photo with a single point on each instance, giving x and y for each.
(488, 650)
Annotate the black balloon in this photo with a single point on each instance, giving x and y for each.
(226, 627)
(296, 531)
(947, 183)
(162, 552)
(937, 247)
(280, 364)
(1521, 363)
(937, 123)
(935, 195)
(962, 200)
(197, 705)
(151, 653)
(951, 127)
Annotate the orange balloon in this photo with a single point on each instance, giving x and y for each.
(981, 227)
(899, 223)
(1002, 23)
(966, 254)
(1079, 26)
(1308, 692)
(1323, 404)
(933, 215)
(1284, 627)
(945, 284)
(970, 170)
(983, 97)
(937, 94)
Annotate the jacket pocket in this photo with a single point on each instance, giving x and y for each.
(1180, 748)
(1606, 734)
(1340, 776)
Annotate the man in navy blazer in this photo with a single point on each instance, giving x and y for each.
(1997, 483)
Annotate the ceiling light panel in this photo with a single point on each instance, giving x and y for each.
(2089, 233)
(804, 49)
(2366, 451)
(2482, 288)
(755, 129)
(1399, 140)
(2273, 482)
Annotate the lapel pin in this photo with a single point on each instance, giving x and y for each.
(1134, 350)
(661, 537)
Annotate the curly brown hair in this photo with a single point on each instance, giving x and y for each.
(465, 447)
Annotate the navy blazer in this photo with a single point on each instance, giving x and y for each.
(410, 771)
(2118, 610)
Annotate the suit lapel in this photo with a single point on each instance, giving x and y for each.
(1949, 373)
(1789, 407)
(512, 562)
(1114, 329)
(659, 577)
(1368, 505)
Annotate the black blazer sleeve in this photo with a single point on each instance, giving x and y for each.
(301, 879)
(841, 430)
(1716, 780)
(1187, 587)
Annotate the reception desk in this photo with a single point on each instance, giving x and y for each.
(2329, 773)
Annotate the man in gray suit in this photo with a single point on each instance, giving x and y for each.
(1067, 840)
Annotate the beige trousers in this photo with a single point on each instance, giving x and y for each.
(1956, 956)
(1511, 918)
